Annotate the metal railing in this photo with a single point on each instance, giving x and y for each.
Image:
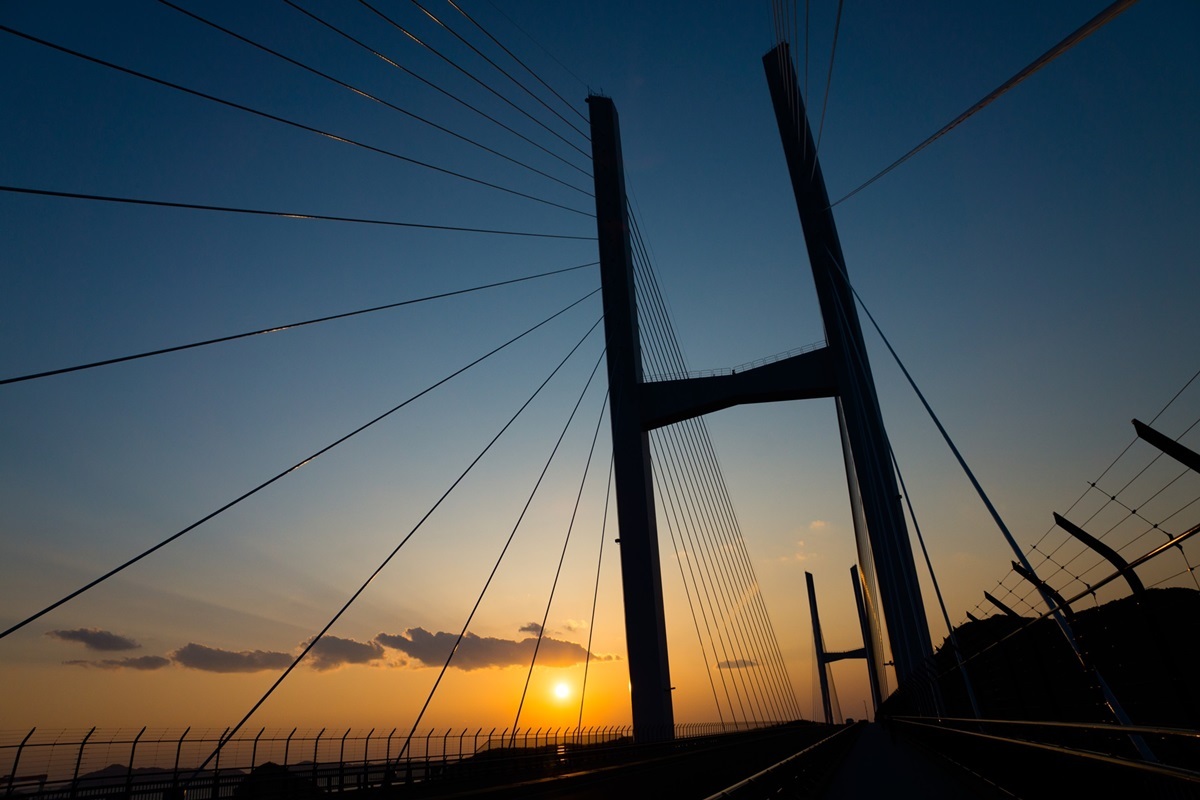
(712, 373)
(162, 764)
(1045, 759)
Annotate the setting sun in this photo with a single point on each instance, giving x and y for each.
(561, 690)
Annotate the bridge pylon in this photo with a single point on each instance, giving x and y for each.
(839, 370)
(641, 576)
(825, 657)
(884, 546)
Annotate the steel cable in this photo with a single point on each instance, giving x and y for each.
(396, 65)
(363, 93)
(292, 123)
(130, 562)
(288, 326)
(516, 526)
(313, 642)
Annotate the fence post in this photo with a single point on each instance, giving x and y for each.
(79, 760)
(254, 748)
(175, 772)
(287, 746)
(366, 773)
(342, 762)
(388, 772)
(460, 742)
(427, 736)
(216, 783)
(129, 772)
(316, 745)
(17, 760)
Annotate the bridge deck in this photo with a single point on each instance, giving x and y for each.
(881, 765)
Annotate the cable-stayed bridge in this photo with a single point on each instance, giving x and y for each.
(104, 226)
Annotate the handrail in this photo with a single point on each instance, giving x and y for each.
(1097, 727)
(1146, 767)
(720, 371)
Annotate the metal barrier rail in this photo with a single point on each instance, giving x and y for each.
(1045, 758)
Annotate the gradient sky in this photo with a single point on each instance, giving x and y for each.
(1036, 269)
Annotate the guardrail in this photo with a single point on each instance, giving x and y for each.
(1037, 759)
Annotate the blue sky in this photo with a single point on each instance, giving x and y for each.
(1035, 268)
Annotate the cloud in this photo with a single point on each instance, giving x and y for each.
(330, 653)
(144, 663)
(333, 652)
(798, 556)
(479, 652)
(96, 639)
(573, 625)
(817, 524)
(737, 663)
(531, 627)
(212, 659)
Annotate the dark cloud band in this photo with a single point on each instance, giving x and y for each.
(480, 652)
(143, 663)
(96, 639)
(212, 659)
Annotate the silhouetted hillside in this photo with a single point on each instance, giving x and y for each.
(1146, 647)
